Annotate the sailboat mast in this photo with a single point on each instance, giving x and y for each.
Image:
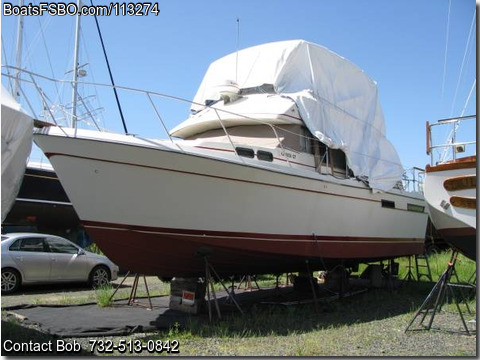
(18, 60)
(75, 69)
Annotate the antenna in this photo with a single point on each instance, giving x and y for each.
(73, 121)
(238, 40)
(16, 88)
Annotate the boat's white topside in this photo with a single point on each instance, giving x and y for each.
(284, 160)
(458, 163)
(445, 215)
(254, 109)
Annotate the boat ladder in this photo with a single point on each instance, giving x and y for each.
(422, 268)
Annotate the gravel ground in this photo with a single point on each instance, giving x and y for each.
(362, 326)
(386, 337)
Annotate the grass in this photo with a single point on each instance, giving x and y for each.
(370, 324)
(104, 295)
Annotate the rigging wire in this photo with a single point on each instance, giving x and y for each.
(101, 119)
(10, 84)
(110, 72)
(467, 49)
(446, 48)
(468, 97)
(47, 52)
(450, 136)
(238, 43)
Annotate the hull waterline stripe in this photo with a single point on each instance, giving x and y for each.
(254, 237)
(39, 201)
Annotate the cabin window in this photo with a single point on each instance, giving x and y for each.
(416, 208)
(388, 204)
(264, 155)
(330, 161)
(245, 152)
(339, 162)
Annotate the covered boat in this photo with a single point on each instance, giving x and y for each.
(283, 159)
(17, 132)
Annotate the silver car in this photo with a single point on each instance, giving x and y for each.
(29, 258)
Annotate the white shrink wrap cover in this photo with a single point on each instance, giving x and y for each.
(338, 102)
(17, 133)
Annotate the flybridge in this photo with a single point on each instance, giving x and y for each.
(337, 101)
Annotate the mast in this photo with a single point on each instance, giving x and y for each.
(18, 60)
(75, 69)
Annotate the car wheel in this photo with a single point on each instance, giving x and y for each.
(100, 276)
(11, 280)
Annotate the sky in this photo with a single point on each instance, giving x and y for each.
(422, 54)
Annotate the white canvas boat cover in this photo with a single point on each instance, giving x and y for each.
(17, 134)
(337, 101)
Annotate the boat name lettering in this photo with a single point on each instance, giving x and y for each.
(288, 155)
(72, 9)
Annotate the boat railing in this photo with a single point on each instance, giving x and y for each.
(453, 146)
(37, 89)
(412, 179)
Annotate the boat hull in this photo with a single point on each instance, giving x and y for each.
(42, 202)
(450, 193)
(180, 252)
(155, 209)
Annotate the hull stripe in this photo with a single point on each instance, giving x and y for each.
(249, 236)
(50, 155)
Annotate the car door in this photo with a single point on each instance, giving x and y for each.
(32, 258)
(68, 264)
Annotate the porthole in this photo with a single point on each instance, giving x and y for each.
(264, 155)
(388, 204)
(245, 152)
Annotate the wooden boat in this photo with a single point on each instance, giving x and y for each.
(450, 191)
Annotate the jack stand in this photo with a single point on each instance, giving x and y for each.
(389, 274)
(278, 291)
(133, 294)
(209, 282)
(248, 282)
(437, 298)
(473, 279)
(409, 276)
(314, 291)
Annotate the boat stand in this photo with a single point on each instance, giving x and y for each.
(247, 279)
(314, 290)
(209, 280)
(132, 299)
(437, 297)
(409, 276)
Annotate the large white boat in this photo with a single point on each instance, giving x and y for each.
(284, 159)
(450, 187)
